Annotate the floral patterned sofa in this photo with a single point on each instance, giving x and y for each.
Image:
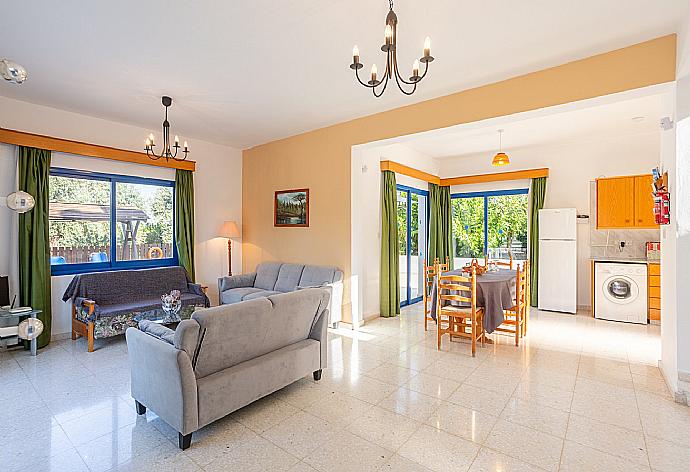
(105, 304)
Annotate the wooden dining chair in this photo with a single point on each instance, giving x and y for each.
(442, 267)
(429, 276)
(459, 321)
(515, 318)
(499, 262)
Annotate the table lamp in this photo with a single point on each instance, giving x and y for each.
(229, 230)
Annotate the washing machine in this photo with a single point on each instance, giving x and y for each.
(621, 291)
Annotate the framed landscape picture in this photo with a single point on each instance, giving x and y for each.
(291, 208)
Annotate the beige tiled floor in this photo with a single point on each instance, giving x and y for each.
(577, 395)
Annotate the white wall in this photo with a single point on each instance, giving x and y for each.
(366, 216)
(675, 238)
(572, 165)
(217, 183)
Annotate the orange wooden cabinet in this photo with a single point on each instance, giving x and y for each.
(625, 202)
(654, 292)
(644, 202)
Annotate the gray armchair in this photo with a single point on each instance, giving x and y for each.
(272, 278)
(227, 357)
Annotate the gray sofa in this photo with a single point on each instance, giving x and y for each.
(272, 278)
(226, 357)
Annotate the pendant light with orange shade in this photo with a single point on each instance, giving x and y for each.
(501, 158)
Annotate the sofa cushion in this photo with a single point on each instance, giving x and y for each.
(267, 275)
(157, 330)
(235, 295)
(260, 294)
(314, 276)
(232, 334)
(186, 337)
(289, 277)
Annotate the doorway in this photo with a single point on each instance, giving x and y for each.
(412, 239)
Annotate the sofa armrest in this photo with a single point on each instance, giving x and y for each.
(319, 332)
(335, 305)
(195, 289)
(163, 380)
(236, 281)
(91, 307)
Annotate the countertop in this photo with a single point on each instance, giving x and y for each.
(624, 260)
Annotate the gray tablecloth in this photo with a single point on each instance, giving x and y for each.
(495, 293)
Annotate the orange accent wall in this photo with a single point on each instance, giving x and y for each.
(321, 159)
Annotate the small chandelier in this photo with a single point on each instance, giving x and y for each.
(166, 152)
(501, 158)
(391, 71)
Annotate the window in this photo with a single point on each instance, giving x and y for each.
(107, 222)
(493, 223)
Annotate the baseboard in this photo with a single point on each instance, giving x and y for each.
(681, 394)
(60, 336)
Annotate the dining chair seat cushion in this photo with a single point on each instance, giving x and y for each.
(465, 310)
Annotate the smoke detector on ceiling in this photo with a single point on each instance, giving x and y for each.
(12, 72)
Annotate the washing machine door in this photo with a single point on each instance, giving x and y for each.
(620, 289)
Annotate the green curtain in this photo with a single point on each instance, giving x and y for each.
(34, 241)
(390, 258)
(440, 224)
(537, 203)
(184, 219)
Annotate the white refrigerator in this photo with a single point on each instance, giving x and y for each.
(557, 287)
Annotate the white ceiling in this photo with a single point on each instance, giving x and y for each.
(629, 117)
(246, 72)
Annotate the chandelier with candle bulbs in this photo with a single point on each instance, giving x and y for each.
(390, 46)
(167, 151)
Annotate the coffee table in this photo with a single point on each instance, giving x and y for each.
(160, 316)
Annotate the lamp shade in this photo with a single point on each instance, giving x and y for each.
(229, 230)
(500, 159)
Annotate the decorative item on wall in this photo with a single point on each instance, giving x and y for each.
(291, 208)
(501, 158)
(12, 72)
(166, 152)
(390, 47)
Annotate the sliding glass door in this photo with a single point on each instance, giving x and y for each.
(493, 223)
(412, 237)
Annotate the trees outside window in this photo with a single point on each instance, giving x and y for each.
(493, 222)
(83, 225)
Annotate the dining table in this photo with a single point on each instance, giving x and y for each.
(495, 293)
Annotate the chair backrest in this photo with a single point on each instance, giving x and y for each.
(429, 275)
(522, 286)
(457, 288)
(443, 267)
(499, 262)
